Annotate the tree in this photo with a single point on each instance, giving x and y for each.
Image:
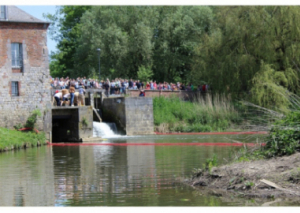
(160, 38)
(176, 35)
(64, 29)
(230, 55)
(144, 74)
(270, 88)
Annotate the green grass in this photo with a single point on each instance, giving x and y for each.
(205, 115)
(13, 139)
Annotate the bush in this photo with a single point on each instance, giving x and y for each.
(284, 136)
(31, 121)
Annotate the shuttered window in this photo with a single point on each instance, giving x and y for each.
(15, 88)
(2, 12)
(16, 55)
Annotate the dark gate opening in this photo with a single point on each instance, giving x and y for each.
(64, 129)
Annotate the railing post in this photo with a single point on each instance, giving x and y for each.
(91, 97)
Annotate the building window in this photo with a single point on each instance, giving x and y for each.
(2, 12)
(16, 55)
(15, 88)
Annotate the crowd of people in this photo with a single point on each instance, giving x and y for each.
(119, 86)
(66, 87)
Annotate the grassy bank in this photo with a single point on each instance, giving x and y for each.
(204, 115)
(13, 139)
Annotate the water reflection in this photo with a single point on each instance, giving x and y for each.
(108, 175)
(26, 178)
(127, 175)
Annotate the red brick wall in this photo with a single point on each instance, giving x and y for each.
(33, 34)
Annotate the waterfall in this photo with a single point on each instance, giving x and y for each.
(113, 127)
(104, 130)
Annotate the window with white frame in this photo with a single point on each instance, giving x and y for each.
(16, 55)
(15, 88)
(2, 12)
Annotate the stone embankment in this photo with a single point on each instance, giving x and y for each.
(273, 178)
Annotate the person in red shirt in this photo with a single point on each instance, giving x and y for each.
(142, 93)
(147, 85)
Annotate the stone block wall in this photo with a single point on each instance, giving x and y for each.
(139, 116)
(133, 114)
(85, 121)
(34, 87)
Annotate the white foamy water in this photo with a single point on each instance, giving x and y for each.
(103, 130)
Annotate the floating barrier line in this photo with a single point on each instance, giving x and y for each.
(155, 144)
(214, 133)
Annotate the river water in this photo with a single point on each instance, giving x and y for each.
(106, 175)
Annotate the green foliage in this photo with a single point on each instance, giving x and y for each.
(270, 88)
(229, 56)
(249, 184)
(144, 74)
(31, 121)
(210, 163)
(12, 138)
(203, 116)
(18, 126)
(84, 122)
(65, 30)
(284, 136)
(130, 37)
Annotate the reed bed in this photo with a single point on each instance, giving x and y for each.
(206, 114)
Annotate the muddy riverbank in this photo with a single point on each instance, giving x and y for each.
(273, 178)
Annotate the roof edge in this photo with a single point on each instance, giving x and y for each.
(28, 22)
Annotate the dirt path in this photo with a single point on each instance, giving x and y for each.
(273, 178)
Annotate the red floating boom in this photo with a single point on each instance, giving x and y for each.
(155, 144)
(214, 133)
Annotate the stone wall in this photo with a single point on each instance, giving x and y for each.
(133, 114)
(139, 116)
(34, 88)
(85, 121)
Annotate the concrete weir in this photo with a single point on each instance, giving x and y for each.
(134, 115)
(72, 124)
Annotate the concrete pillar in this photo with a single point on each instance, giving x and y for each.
(91, 97)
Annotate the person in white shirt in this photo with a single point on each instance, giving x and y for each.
(58, 97)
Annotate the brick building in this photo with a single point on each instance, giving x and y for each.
(24, 69)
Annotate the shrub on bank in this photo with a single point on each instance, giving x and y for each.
(13, 139)
(284, 138)
(204, 115)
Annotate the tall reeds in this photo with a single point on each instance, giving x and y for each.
(206, 113)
